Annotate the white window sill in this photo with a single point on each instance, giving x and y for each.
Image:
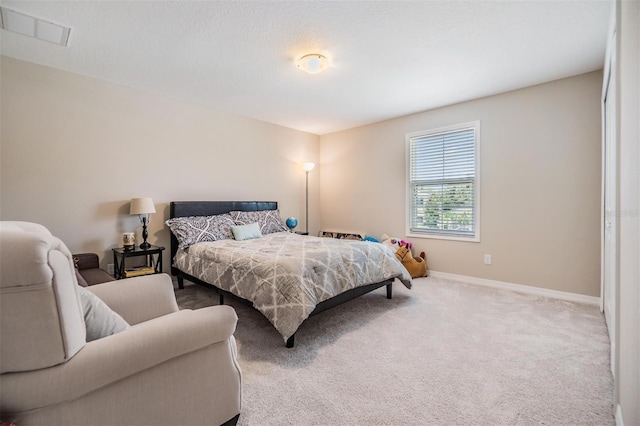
(475, 239)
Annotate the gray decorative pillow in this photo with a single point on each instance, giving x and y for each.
(99, 320)
(269, 221)
(195, 229)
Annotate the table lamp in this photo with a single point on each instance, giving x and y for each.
(143, 207)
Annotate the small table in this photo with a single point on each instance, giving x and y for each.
(153, 261)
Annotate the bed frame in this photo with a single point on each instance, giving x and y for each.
(208, 208)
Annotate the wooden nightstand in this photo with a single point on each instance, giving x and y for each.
(152, 265)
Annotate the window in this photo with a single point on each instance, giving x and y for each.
(443, 183)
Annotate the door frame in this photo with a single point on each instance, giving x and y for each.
(608, 223)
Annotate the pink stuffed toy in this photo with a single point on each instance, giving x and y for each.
(406, 243)
(394, 243)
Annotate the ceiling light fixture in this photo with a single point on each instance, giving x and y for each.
(313, 63)
(31, 26)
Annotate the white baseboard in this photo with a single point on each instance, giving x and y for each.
(538, 291)
(619, 421)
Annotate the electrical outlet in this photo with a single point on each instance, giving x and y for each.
(110, 268)
(487, 259)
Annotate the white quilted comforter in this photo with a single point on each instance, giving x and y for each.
(286, 275)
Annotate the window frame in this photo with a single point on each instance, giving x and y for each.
(476, 190)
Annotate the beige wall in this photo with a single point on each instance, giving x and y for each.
(540, 185)
(75, 150)
(627, 372)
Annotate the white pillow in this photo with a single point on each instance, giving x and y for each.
(246, 232)
(100, 321)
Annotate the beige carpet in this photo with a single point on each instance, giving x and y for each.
(443, 353)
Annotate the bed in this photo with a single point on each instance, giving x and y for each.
(286, 276)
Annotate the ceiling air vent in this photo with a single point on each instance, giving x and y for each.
(31, 26)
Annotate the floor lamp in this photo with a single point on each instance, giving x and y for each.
(307, 168)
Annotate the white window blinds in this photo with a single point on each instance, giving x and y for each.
(442, 182)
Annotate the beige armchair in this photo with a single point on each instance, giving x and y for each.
(170, 367)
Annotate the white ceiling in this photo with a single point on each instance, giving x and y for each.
(387, 58)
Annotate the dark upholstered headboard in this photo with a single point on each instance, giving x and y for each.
(209, 208)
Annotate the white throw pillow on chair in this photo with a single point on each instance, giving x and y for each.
(99, 319)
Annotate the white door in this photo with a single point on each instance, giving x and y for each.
(609, 270)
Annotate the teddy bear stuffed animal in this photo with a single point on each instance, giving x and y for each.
(417, 266)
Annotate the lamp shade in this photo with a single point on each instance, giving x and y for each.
(142, 206)
(308, 166)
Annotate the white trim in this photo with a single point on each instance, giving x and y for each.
(606, 80)
(520, 288)
(445, 237)
(608, 220)
(619, 421)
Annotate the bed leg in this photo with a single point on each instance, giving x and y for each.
(389, 290)
(180, 282)
(290, 341)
